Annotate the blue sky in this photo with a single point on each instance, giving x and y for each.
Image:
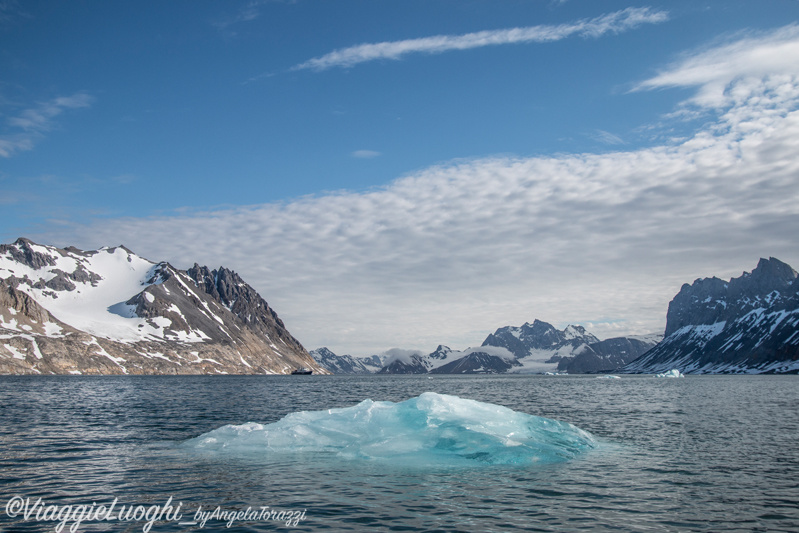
(403, 173)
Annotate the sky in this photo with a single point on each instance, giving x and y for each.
(408, 173)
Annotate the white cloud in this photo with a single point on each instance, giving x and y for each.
(30, 125)
(611, 23)
(496, 351)
(448, 254)
(365, 154)
(399, 354)
(715, 70)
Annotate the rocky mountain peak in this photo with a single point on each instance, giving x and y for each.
(712, 300)
(575, 331)
(441, 352)
(770, 274)
(110, 311)
(322, 352)
(23, 251)
(540, 335)
(749, 324)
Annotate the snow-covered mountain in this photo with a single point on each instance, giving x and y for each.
(482, 360)
(347, 364)
(445, 360)
(400, 361)
(608, 355)
(749, 324)
(530, 348)
(394, 361)
(540, 346)
(110, 311)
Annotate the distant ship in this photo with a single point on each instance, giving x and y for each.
(301, 372)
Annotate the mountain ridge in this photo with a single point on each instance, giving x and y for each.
(531, 348)
(135, 316)
(749, 324)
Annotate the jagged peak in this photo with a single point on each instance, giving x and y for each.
(440, 352)
(540, 324)
(773, 267)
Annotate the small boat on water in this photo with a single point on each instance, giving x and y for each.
(302, 372)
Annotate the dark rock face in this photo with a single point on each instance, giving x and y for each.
(749, 324)
(202, 321)
(607, 355)
(19, 303)
(22, 252)
(227, 288)
(440, 353)
(60, 282)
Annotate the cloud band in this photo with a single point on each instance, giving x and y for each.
(590, 28)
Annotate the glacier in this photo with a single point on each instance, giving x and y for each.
(430, 429)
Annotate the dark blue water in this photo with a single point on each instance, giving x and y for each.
(704, 453)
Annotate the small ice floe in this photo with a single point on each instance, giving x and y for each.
(673, 373)
(430, 429)
(608, 377)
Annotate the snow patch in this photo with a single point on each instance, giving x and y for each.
(16, 354)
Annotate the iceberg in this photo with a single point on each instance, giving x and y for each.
(430, 429)
(673, 373)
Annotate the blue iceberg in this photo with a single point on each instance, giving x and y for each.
(428, 429)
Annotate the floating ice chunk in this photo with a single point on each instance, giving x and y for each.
(429, 429)
(673, 373)
(608, 377)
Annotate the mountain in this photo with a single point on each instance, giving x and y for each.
(445, 360)
(608, 355)
(484, 360)
(748, 324)
(109, 311)
(405, 362)
(530, 348)
(540, 346)
(346, 364)
(373, 363)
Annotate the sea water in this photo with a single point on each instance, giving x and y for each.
(704, 453)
